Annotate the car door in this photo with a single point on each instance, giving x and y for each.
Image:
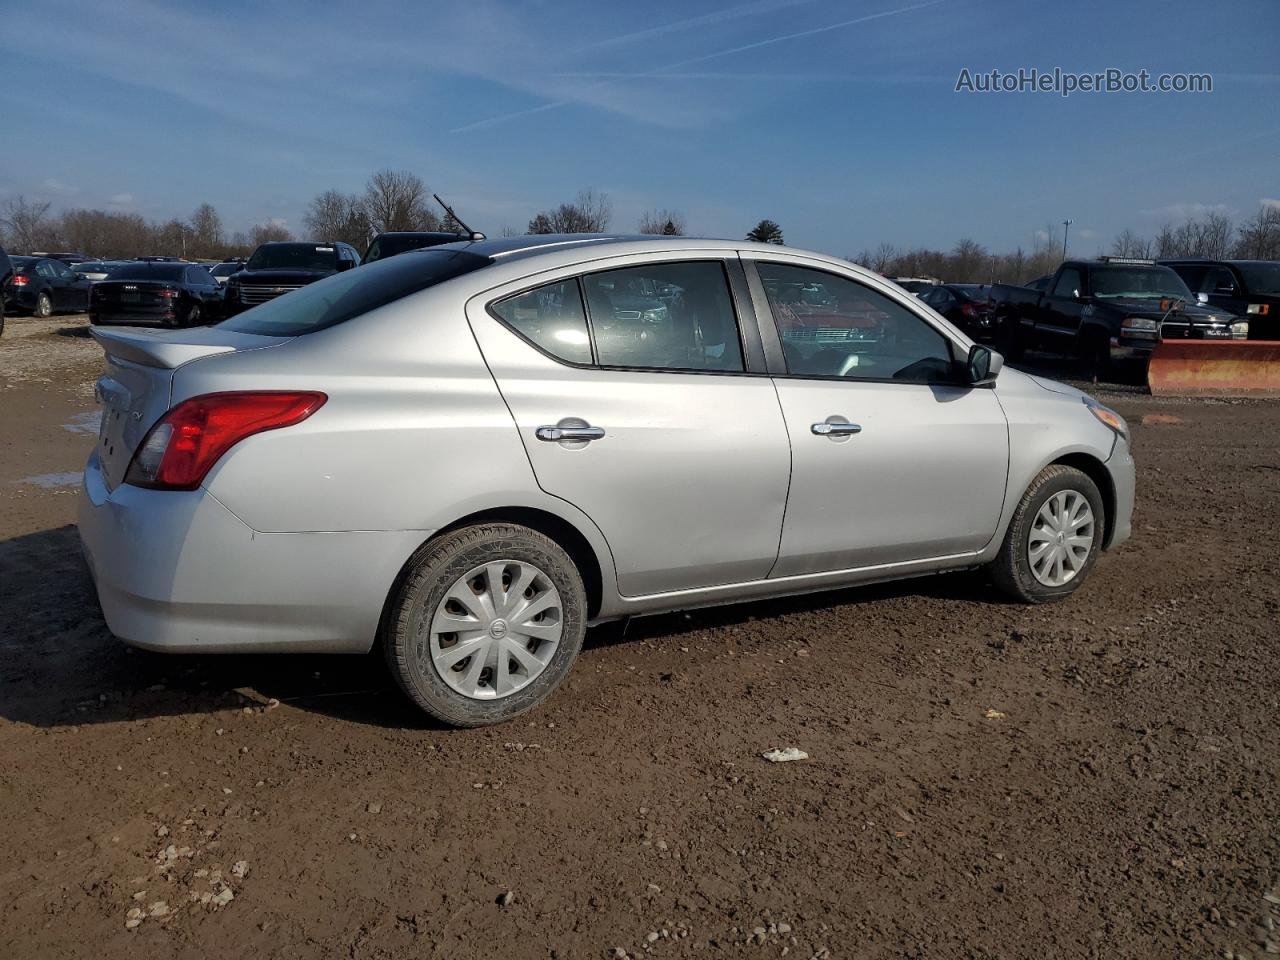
(637, 403)
(893, 460)
(75, 288)
(1061, 309)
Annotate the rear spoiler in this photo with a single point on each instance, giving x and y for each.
(166, 349)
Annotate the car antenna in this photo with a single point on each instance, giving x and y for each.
(471, 234)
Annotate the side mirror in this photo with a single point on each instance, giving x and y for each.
(983, 366)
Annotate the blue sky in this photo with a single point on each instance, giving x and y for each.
(838, 119)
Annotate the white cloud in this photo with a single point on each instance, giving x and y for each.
(59, 189)
(121, 200)
(1271, 203)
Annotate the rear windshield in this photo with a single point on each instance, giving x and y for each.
(294, 256)
(343, 296)
(226, 269)
(147, 271)
(972, 291)
(388, 246)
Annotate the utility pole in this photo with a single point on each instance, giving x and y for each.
(1066, 225)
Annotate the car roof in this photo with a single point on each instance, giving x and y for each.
(525, 247)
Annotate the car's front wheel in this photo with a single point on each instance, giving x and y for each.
(486, 624)
(1053, 538)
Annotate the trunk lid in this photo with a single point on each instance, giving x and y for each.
(136, 389)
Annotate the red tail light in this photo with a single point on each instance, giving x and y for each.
(968, 309)
(169, 294)
(184, 445)
(18, 280)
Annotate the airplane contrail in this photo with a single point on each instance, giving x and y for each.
(556, 104)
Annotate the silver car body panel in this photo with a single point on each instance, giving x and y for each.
(297, 537)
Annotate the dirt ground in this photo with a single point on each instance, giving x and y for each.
(1092, 779)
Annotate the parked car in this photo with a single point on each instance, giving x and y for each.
(439, 451)
(94, 270)
(280, 267)
(967, 305)
(1106, 310)
(65, 257)
(393, 242)
(156, 294)
(222, 271)
(916, 285)
(1040, 283)
(1246, 288)
(6, 273)
(42, 287)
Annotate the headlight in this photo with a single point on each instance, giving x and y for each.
(1240, 330)
(1107, 416)
(1140, 328)
(1258, 309)
(655, 315)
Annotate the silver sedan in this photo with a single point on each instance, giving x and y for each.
(468, 454)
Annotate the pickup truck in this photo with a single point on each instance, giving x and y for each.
(1104, 311)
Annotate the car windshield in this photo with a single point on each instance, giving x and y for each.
(1138, 282)
(343, 296)
(147, 271)
(1262, 278)
(293, 256)
(226, 269)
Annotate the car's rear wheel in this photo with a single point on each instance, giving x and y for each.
(194, 319)
(44, 306)
(486, 624)
(1053, 538)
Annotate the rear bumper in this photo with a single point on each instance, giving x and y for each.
(177, 571)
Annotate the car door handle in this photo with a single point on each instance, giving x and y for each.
(557, 434)
(837, 428)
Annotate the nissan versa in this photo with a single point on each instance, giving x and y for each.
(469, 453)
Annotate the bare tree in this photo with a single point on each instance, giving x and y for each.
(397, 200)
(766, 231)
(590, 213)
(1259, 238)
(665, 222)
(334, 215)
(27, 223)
(269, 232)
(206, 232)
(1129, 244)
(969, 260)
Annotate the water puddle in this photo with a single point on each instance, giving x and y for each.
(51, 480)
(87, 422)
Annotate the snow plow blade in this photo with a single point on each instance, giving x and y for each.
(1209, 368)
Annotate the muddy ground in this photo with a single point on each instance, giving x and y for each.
(1092, 779)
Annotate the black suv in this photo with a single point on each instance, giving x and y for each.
(1247, 288)
(279, 267)
(402, 241)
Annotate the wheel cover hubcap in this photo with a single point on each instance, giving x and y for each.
(496, 629)
(1061, 538)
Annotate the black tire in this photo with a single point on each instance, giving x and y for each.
(1011, 569)
(193, 316)
(44, 306)
(440, 564)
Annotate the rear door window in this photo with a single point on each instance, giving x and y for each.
(664, 316)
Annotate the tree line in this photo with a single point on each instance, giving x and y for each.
(400, 200)
(1214, 236)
